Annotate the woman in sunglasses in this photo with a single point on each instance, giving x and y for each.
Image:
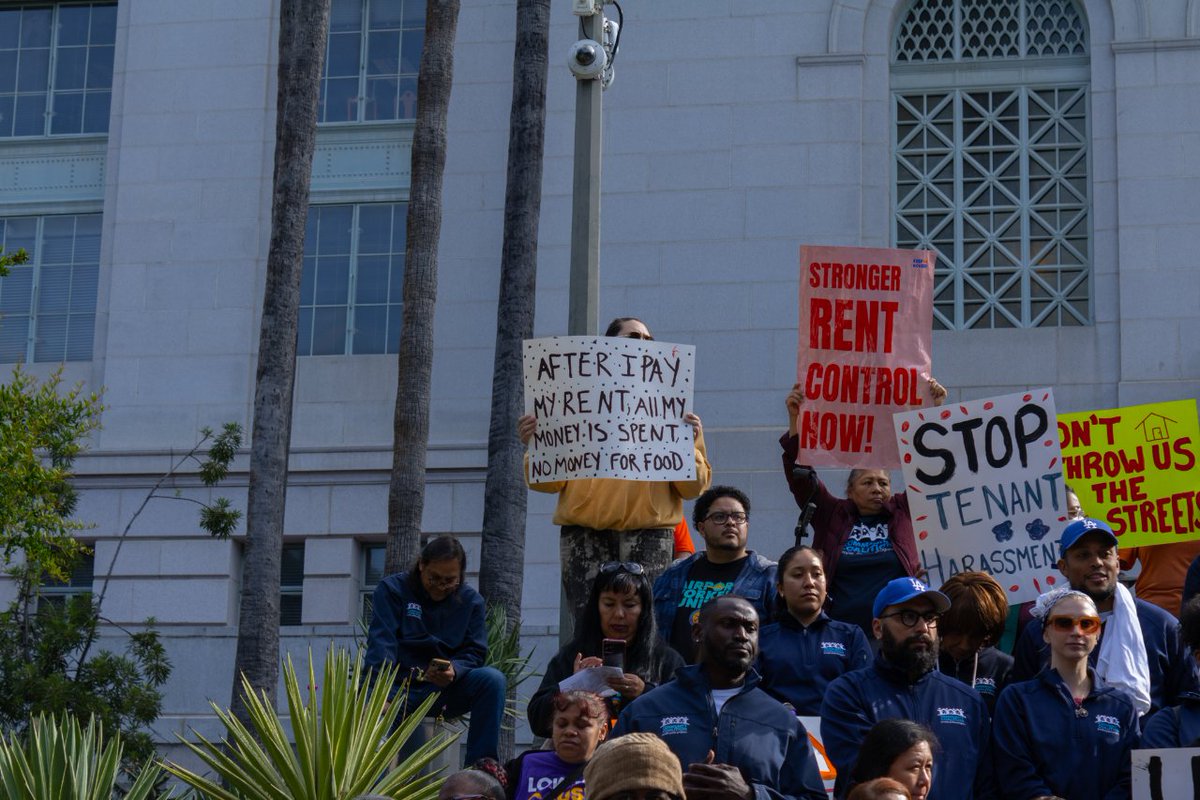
(618, 609)
(1064, 733)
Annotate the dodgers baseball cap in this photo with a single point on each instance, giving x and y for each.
(901, 590)
(1080, 528)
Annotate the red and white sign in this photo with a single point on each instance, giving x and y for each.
(866, 330)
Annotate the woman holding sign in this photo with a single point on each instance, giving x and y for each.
(608, 519)
(867, 538)
(1064, 733)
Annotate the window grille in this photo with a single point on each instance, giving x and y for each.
(994, 176)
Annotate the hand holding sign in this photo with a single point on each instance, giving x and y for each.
(610, 407)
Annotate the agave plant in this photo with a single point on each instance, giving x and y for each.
(57, 759)
(343, 747)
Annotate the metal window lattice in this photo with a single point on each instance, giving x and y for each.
(995, 180)
(971, 30)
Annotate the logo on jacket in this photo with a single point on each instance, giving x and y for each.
(985, 685)
(413, 610)
(833, 649)
(1107, 724)
(672, 725)
(952, 716)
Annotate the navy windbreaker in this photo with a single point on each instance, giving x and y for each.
(753, 732)
(410, 629)
(1043, 745)
(1178, 726)
(951, 709)
(797, 663)
(988, 672)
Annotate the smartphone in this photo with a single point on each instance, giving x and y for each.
(439, 665)
(612, 653)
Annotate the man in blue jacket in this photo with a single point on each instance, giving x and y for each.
(722, 516)
(904, 683)
(732, 738)
(1088, 559)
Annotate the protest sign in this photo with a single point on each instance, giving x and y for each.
(866, 319)
(824, 765)
(1166, 774)
(1135, 467)
(985, 489)
(609, 407)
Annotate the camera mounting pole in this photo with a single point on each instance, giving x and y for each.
(584, 289)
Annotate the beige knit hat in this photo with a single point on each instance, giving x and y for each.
(630, 762)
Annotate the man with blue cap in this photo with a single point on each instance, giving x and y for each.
(1141, 649)
(904, 683)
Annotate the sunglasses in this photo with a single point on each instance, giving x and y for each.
(909, 618)
(1087, 625)
(632, 567)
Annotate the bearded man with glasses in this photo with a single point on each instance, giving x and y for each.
(904, 683)
(722, 516)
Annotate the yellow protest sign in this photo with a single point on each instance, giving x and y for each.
(1135, 468)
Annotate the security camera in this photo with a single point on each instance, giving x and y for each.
(587, 59)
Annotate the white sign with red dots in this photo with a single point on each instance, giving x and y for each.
(985, 489)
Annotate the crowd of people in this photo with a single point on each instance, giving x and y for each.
(710, 662)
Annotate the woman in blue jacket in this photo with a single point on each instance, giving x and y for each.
(1063, 733)
(800, 654)
(431, 624)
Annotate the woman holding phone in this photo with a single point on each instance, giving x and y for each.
(431, 624)
(617, 623)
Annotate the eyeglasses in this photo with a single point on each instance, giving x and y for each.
(909, 618)
(441, 583)
(721, 517)
(1076, 514)
(1087, 625)
(632, 567)
(638, 335)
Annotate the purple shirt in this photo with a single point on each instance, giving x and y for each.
(542, 772)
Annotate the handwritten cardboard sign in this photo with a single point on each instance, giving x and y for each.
(985, 489)
(1135, 467)
(1166, 774)
(866, 320)
(609, 407)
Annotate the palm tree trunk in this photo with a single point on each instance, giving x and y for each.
(502, 564)
(303, 29)
(406, 494)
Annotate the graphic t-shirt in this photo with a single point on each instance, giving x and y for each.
(868, 562)
(705, 581)
(542, 772)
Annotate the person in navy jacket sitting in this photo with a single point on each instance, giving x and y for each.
(432, 625)
(732, 739)
(904, 682)
(804, 650)
(1065, 733)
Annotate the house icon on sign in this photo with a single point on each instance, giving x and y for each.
(1154, 427)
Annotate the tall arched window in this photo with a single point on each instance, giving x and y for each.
(990, 101)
